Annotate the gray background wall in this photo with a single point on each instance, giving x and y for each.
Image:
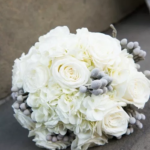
(23, 21)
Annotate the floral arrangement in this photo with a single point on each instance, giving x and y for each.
(80, 89)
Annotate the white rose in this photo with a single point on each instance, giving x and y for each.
(94, 107)
(35, 77)
(138, 90)
(28, 68)
(24, 120)
(103, 48)
(115, 122)
(70, 72)
(40, 140)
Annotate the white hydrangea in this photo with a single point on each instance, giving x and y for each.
(24, 120)
(68, 108)
(95, 107)
(40, 140)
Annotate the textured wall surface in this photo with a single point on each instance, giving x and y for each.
(23, 21)
(134, 28)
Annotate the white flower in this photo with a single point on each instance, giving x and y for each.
(24, 120)
(31, 71)
(102, 48)
(70, 72)
(42, 114)
(115, 122)
(68, 108)
(57, 127)
(51, 93)
(94, 107)
(40, 139)
(119, 70)
(138, 90)
(58, 32)
(84, 140)
(55, 43)
(33, 100)
(79, 47)
(17, 80)
(35, 77)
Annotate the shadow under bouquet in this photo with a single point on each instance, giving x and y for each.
(80, 89)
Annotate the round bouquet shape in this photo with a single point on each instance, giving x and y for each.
(80, 89)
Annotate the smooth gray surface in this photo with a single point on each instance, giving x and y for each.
(135, 27)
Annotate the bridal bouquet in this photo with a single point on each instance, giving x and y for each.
(80, 89)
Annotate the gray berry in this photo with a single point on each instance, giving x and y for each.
(132, 120)
(137, 66)
(123, 42)
(59, 137)
(139, 124)
(128, 132)
(136, 51)
(119, 137)
(13, 96)
(105, 90)
(23, 106)
(97, 92)
(108, 78)
(16, 105)
(20, 92)
(130, 45)
(16, 94)
(131, 130)
(83, 89)
(66, 139)
(101, 75)
(14, 89)
(96, 84)
(26, 112)
(110, 88)
(141, 54)
(144, 54)
(143, 117)
(94, 73)
(104, 82)
(138, 116)
(48, 137)
(20, 98)
(147, 73)
(54, 139)
(136, 44)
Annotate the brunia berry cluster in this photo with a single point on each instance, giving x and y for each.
(79, 89)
